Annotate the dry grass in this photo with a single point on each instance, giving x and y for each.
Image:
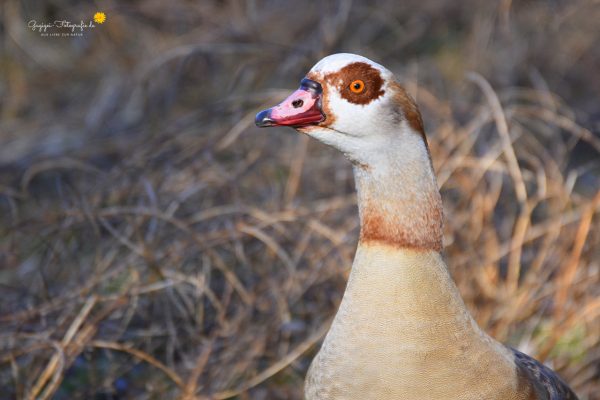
(154, 244)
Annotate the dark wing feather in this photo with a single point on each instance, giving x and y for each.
(546, 383)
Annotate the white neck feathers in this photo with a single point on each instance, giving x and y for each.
(398, 197)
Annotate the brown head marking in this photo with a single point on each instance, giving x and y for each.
(408, 109)
(329, 117)
(341, 80)
(373, 82)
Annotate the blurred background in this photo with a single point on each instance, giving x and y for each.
(154, 244)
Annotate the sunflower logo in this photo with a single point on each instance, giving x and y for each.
(99, 17)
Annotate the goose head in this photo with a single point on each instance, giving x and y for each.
(353, 104)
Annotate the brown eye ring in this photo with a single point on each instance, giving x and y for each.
(357, 86)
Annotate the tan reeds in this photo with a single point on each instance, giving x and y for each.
(154, 243)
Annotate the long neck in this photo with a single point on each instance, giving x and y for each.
(397, 262)
(398, 197)
(402, 320)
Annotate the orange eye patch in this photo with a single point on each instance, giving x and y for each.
(357, 86)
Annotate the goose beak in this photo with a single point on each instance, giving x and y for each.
(301, 108)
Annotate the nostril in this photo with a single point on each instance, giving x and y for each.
(297, 103)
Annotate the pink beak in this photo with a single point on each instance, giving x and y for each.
(301, 108)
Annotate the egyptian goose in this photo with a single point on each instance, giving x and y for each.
(402, 330)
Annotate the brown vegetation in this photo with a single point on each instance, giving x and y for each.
(155, 244)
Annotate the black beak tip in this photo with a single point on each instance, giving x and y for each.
(263, 119)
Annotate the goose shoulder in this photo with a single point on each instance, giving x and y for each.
(547, 385)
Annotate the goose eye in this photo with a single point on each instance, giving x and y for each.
(357, 86)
